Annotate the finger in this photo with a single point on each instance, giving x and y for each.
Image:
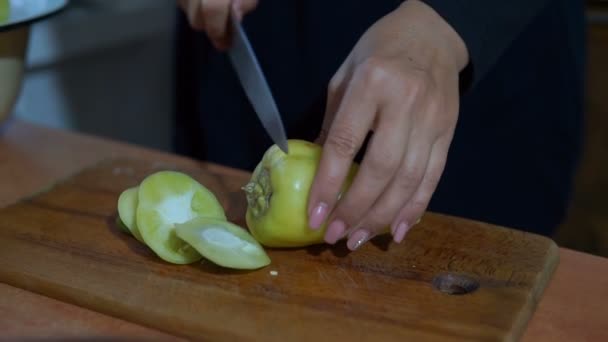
(215, 16)
(346, 134)
(244, 6)
(382, 159)
(240, 8)
(335, 92)
(401, 188)
(415, 207)
(194, 12)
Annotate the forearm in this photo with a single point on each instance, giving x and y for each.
(486, 27)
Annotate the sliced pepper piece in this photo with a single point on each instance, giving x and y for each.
(223, 243)
(122, 226)
(127, 207)
(167, 198)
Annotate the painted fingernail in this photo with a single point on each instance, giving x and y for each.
(335, 231)
(357, 239)
(318, 216)
(394, 228)
(400, 232)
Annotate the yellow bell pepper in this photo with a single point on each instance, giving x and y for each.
(277, 196)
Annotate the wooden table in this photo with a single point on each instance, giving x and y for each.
(573, 308)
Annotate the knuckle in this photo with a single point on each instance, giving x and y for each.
(418, 81)
(343, 142)
(375, 71)
(420, 73)
(382, 164)
(408, 179)
(414, 80)
(378, 72)
(432, 178)
(330, 188)
(334, 86)
(434, 111)
(400, 84)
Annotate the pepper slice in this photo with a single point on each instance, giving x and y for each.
(127, 207)
(123, 228)
(223, 243)
(167, 198)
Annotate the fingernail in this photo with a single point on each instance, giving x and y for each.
(400, 232)
(318, 216)
(335, 231)
(394, 229)
(357, 239)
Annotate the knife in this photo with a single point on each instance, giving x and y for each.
(255, 85)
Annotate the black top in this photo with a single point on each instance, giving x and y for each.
(518, 138)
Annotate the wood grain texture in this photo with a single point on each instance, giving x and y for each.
(31, 158)
(63, 243)
(26, 316)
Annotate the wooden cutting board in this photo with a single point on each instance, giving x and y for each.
(451, 279)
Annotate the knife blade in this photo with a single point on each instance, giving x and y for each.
(255, 85)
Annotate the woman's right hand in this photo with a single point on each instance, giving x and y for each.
(212, 17)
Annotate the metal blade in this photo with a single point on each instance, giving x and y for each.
(255, 85)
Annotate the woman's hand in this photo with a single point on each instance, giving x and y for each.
(401, 82)
(212, 17)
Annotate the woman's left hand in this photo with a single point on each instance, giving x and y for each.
(401, 82)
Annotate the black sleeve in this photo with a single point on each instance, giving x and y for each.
(487, 28)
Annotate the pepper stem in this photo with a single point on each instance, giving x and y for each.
(258, 192)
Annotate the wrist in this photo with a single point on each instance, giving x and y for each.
(447, 43)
